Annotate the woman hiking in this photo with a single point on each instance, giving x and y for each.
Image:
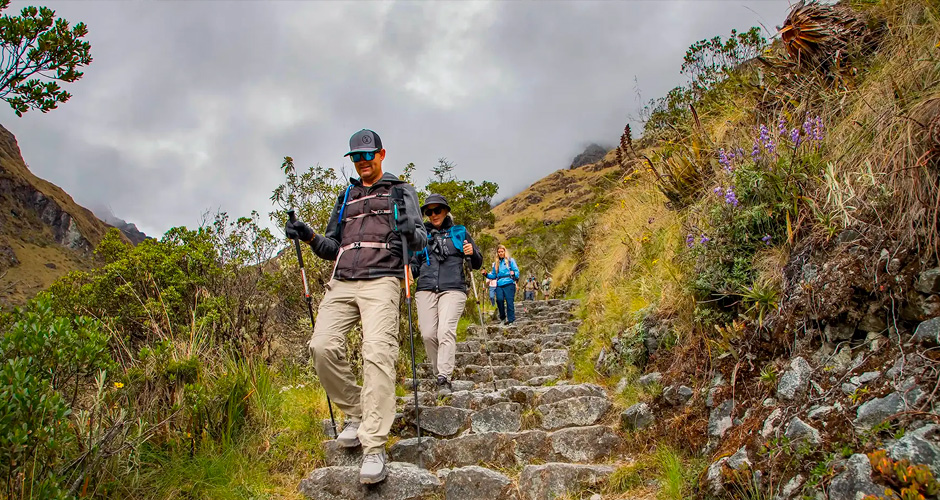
(442, 289)
(506, 273)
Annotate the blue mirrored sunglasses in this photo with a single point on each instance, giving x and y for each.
(356, 157)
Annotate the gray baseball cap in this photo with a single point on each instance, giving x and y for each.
(364, 141)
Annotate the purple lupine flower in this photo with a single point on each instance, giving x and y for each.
(795, 137)
(755, 153)
(689, 240)
(730, 197)
(782, 126)
(717, 190)
(818, 129)
(766, 140)
(808, 127)
(766, 239)
(704, 240)
(724, 160)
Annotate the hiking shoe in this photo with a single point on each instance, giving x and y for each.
(349, 437)
(373, 468)
(443, 386)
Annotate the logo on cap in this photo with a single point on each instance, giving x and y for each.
(366, 139)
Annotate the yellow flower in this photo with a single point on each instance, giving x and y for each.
(118, 385)
(655, 261)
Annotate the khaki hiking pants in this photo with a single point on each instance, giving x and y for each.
(438, 314)
(375, 302)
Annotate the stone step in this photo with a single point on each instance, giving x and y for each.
(499, 449)
(543, 357)
(484, 373)
(496, 412)
(532, 343)
(407, 482)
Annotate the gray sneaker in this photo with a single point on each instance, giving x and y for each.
(349, 438)
(373, 468)
(443, 386)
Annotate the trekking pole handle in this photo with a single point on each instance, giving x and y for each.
(292, 217)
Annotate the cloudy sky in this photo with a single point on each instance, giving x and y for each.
(190, 107)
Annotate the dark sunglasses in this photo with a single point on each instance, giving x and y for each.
(434, 211)
(357, 157)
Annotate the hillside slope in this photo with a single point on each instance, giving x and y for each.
(43, 232)
(555, 196)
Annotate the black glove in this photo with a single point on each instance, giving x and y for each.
(298, 229)
(404, 223)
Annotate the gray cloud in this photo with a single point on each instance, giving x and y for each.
(190, 107)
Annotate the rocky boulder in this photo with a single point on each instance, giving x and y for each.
(584, 410)
(799, 431)
(636, 417)
(720, 419)
(855, 482)
(928, 281)
(928, 332)
(918, 447)
(794, 381)
(404, 482)
(477, 483)
(553, 480)
(502, 417)
(677, 396)
(877, 410)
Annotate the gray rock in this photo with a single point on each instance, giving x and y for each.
(336, 455)
(328, 428)
(855, 482)
(553, 480)
(920, 308)
(650, 379)
(790, 489)
(820, 412)
(929, 281)
(404, 482)
(873, 323)
(411, 451)
(770, 423)
(928, 332)
(848, 388)
(917, 447)
(836, 333)
(794, 381)
(800, 431)
(558, 393)
(677, 396)
(735, 462)
(442, 420)
(554, 356)
(865, 378)
(719, 421)
(877, 410)
(584, 410)
(876, 341)
(636, 417)
(769, 403)
(477, 483)
(585, 444)
(502, 417)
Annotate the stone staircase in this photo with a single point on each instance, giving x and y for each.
(513, 429)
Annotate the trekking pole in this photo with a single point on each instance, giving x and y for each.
(303, 274)
(411, 334)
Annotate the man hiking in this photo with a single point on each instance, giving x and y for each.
(441, 286)
(364, 237)
(506, 273)
(531, 286)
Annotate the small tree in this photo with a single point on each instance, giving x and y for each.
(36, 52)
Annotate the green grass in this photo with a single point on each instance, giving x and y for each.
(462, 325)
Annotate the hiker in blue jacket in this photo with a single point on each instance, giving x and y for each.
(506, 273)
(442, 286)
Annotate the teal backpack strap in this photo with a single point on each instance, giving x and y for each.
(457, 235)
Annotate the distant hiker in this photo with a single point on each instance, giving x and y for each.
(364, 238)
(506, 273)
(547, 287)
(531, 286)
(491, 284)
(441, 286)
